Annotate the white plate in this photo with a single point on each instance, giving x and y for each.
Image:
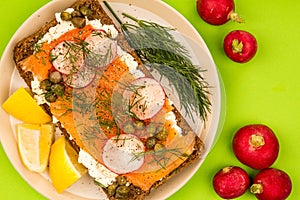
(144, 9)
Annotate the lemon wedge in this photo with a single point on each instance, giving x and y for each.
(22, 106)
(34, 142)
(64, 169)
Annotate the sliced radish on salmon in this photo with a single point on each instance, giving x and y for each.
(67, 57)
(123, 153)
(101, 49)
(80, 79)
(145, 97)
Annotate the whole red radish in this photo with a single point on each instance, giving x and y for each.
(271, 184)
(231, 182)
(240, 46)
(217, 12)
(256, 146)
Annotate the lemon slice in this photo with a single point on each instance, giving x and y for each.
(22, 106)
(34, 142)
(64, 169)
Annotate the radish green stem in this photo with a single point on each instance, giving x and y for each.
(237, 46)
(256, 188)
(236, 18)
(257, 141)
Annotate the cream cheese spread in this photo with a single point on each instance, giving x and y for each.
(64, 26)
(96, 170)
(38, 92)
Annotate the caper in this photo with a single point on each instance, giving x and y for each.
(129, 128)
(139, 125)
(78, 22)
(150, 143)
(55, 77)
(50, 96)
(45, 84)
(85, 11)
(121, 180)
(151, 129)
(162, 134)
(122, 192)
(65, 16)
(58, 89)
(76, 13)
(111, 189)
(159, 149)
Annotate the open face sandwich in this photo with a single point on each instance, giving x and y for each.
(106, 102)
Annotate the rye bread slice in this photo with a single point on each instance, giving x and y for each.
(25, 48)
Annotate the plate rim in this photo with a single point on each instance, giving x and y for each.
(26, 174)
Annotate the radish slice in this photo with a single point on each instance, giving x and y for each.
(123, 153)
(67, 57)
(145, 97)
(101, 49)
(81, 78)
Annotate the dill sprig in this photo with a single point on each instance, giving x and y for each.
(158, 49)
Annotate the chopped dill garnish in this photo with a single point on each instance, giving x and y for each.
(162, 156)
(158, 49)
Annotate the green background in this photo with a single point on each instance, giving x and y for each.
(265, 90)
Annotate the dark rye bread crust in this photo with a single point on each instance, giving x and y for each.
(25, 48)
